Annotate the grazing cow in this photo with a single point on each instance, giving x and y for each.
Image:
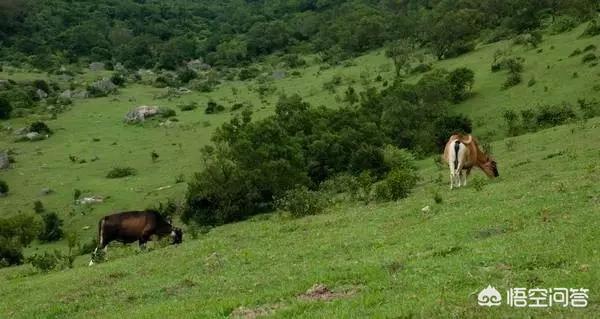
(461, 154)
(131, 226)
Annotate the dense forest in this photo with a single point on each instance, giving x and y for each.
(150, 33)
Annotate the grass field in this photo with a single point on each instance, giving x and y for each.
(535, 226)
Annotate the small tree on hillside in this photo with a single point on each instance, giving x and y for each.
(52, 230)
(400, 52)
(461, 80)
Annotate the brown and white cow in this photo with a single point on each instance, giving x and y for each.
(128, 227)
(462, 153)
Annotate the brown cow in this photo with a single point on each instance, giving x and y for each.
(131, 226)
(461, 154)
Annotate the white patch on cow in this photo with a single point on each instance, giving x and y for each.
(91, 262)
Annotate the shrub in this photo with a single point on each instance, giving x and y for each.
(301, 201)
(3, 187)
(590, 47)
(186, 75)
(46, 261)
(52, 228)
(38, 207)
(589, 109)
(461, 80)
(188, 106)
(563, 24)
(575, 53)
(588, 57)
(5, 108)
(512, 80)
(248, 73)
(531, 39)
(531, 82)
(213, 107)
(118, 78)
(397, 185)
(166, 112)
(592, 29)
(119, 172)
(41, 85)
(167, 209)
(40, 127)
(421, 68)
(553, 115)
(11, 252)
(330, 85)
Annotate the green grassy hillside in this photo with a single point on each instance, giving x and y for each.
(535, 226)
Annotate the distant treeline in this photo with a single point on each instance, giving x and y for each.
(153, 33)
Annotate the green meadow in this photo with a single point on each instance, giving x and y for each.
(535, 226)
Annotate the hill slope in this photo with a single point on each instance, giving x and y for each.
(533, 227)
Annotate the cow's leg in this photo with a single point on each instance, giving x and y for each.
(466, 175)
(451, 176)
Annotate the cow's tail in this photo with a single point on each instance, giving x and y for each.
(456, 149)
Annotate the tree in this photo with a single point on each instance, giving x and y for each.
(461, 80)
(52, 229)
(400, 53)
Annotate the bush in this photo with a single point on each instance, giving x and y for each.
(553, 115)
(588, 57)
(212, 107)
(11, 252)
(38, 207)
(248, 73)
(592, 29)
(589, 109)
(590, 47)
(186, 75)
(531, 39)
(563, 24)
(46, 261)
(3, 187)
(118, 78)
(301, 202)
(531, 82)
(537, 118)
(397, 185)
(166, 112)
(41, 85)
(40, 127)
(188, 107)
(5, 108)
(575, 53)
(461, 80)
(119, 172)
(52, 228)
(421, 68)
(512, 80)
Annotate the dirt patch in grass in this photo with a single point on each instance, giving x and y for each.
(251, 313)
(322, 292)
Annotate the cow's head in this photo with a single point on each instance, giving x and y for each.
(490, 168)
(177, 235)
